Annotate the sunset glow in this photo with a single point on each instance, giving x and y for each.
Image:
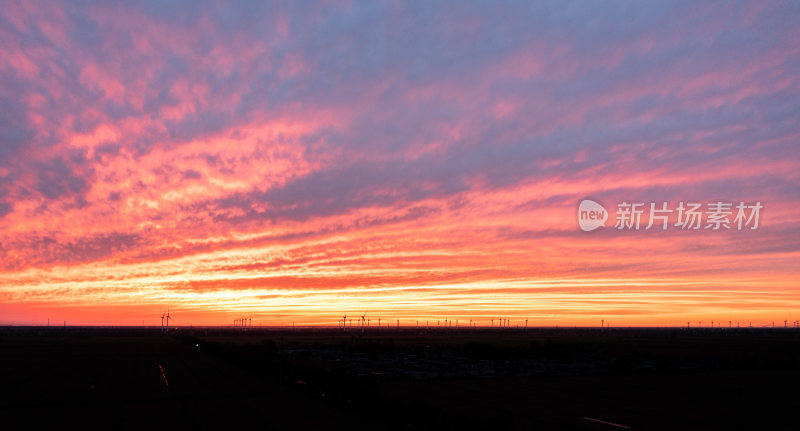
(416, 161)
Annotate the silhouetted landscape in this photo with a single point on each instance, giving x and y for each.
(327, 378)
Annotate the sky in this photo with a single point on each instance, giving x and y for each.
(294, 162)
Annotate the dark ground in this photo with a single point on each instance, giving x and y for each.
(645, 379)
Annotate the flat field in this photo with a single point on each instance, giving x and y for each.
(475, 378)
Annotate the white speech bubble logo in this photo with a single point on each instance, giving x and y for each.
(591, 215)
